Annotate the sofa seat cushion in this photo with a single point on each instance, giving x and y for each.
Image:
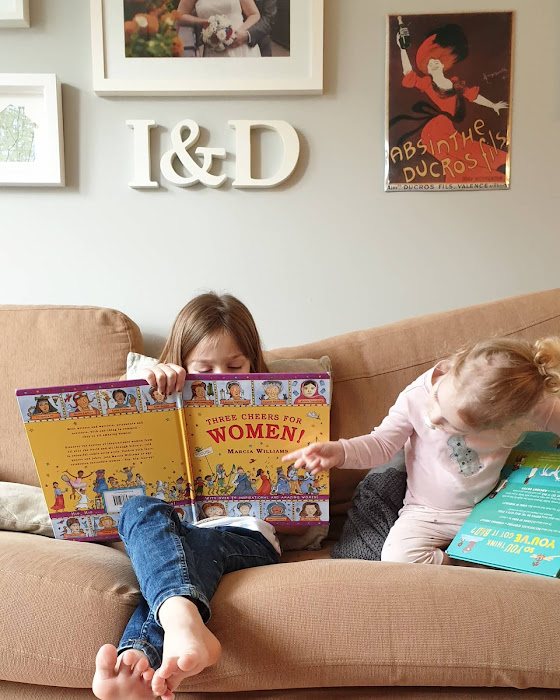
(20, 691)
(332, 623)
(61, 601)
(307, 554)
(382, 624)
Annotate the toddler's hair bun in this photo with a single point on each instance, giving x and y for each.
(547, 361)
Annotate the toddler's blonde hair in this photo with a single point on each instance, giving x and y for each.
(501, 380)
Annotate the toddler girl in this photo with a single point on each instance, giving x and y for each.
(178, 565)
(457, 422)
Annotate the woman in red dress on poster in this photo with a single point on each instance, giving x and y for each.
(469, 160)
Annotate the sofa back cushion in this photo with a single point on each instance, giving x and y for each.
(44, 346)
(371, 367)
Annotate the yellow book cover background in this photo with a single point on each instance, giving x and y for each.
(97, 445)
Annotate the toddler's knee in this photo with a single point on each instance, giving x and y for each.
(415, 556)
(397, 556)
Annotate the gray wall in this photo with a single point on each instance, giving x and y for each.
(328, 252)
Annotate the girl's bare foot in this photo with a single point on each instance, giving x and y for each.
(129, 678)
(188, 645)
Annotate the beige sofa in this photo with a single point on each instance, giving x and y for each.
(310, 627)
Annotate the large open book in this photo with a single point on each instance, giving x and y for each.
(213, 450)
(517, 526)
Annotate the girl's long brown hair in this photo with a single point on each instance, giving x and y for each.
(207, 315)
(503, 379)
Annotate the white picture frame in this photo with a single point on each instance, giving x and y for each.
(299, 73)
(35, 121)
(14, 13)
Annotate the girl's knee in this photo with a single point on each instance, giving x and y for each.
(138, 508)
(136, 503)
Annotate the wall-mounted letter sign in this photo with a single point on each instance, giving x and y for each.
(184, 137)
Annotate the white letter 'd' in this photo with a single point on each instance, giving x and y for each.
(289, 138)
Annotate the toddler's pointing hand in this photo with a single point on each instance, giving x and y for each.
(320, 456)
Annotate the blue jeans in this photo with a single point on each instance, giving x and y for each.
(171, 558)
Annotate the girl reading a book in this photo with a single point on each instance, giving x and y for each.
(457, 423)
(179, 565)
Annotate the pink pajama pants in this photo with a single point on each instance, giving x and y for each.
(421, 533)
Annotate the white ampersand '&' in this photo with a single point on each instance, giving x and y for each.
(198, 173)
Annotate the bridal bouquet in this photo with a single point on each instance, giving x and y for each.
(218, 33)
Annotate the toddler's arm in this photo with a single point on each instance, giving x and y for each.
(317, 457)
(363, 452)
(383, 443)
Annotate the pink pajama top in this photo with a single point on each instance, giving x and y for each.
(444, 471)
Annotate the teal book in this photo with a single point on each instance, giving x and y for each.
(517, 526)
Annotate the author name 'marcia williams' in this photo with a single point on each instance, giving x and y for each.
(259, 451)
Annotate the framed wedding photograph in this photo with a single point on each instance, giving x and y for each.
(178, 47)
(31, 140)
(448, 113)
(14, 13)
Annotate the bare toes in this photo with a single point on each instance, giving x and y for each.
(128, 659)
(167, 667)
(141, 665)
(159, 683)
(187, 663)
(105, 662)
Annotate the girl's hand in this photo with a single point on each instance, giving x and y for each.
(165, 378)
(320, 456)
(499, 105)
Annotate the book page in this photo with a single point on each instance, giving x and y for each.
(97, 445)
(238, 430)
(517, 526)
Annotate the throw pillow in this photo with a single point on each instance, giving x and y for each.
(135, 362)
(23, 509)
(375, 508)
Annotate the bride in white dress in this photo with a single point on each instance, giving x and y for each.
(233, 10)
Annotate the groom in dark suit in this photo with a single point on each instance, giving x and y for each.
(260, 32)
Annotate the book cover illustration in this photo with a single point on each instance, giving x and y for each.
(214, 450)
(517, 526)
(239, 428)
(97, 445)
